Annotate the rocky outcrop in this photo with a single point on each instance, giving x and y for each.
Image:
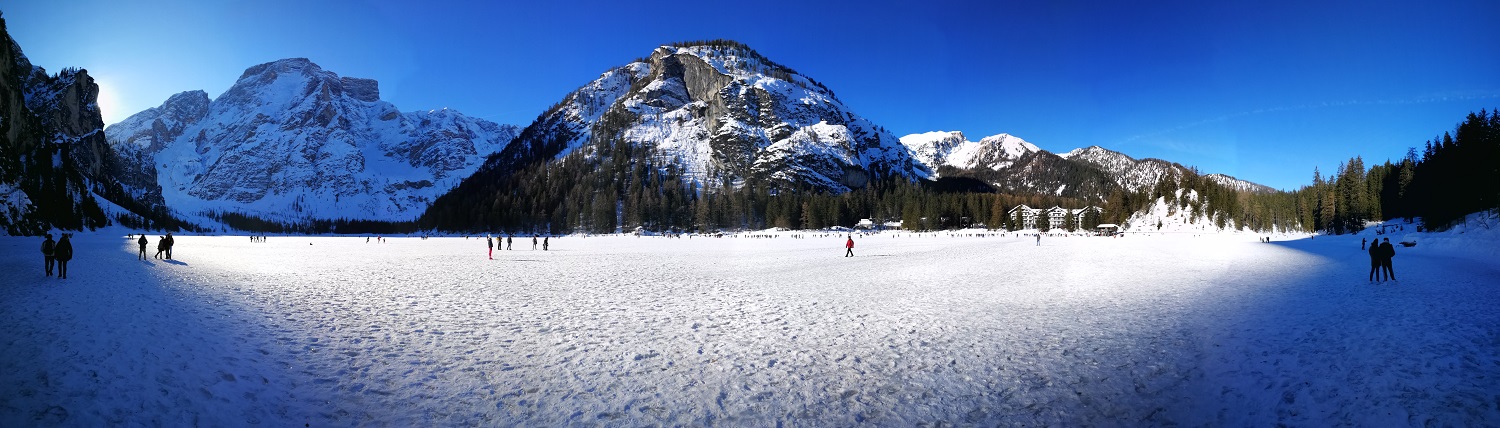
(55, 163)
(292, 142)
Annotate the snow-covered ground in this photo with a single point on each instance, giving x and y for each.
(1142, 330)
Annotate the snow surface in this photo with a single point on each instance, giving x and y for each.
(1218, 330)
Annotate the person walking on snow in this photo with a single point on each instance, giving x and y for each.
(1387, 252)
(169, 242)
(1375, 256)
(161, 246)
(1361, 243)
(490, 243)
(49, 249)
(544, 244)
(142, 243)
(849, 247)
(508, 241)
(533, 242)
(63, 253)
(1038, 239)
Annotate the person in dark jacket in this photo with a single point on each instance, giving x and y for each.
(169, 243)
(849, 247)
(491, 243)
(161, 246)
(508, 241)
(544, 243)
(1362, 243)
(1375, 256)
(1387, 252)
(64, 252)
(49, 249)
(142, 243)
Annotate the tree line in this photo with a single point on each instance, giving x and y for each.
(610, 185)
(1453, 175)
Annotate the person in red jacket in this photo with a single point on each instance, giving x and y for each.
(849, 247)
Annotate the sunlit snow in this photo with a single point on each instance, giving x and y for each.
(1217, 330)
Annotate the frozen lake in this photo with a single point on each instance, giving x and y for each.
(1158, 330)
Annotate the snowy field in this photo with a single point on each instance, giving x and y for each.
(626, 331)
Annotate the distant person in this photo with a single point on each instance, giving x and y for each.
(1375, 256)
(533, 242)
(508, 241)
(849, 247)
(161, 246)
(1038, 239)
(169, 242)
(1387, 253)
(1361, 243)
(490, 243)
(142, 243)
(49, 251)
(63, 253)
(544, 244)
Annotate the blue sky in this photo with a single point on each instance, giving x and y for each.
(1264, 91)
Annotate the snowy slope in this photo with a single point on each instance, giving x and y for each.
(1143, 174)
(1159, 331)
(291, 141)
(940, 148)
(722, 108)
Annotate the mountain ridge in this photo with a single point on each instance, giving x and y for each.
(292, 142)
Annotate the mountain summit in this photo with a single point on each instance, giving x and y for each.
(721, 110)
(291, 142)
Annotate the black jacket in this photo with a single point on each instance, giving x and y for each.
(64, 251)
(1387, 251)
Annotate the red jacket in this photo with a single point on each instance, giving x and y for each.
(849, 244)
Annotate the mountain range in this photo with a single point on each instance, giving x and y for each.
(291, 142)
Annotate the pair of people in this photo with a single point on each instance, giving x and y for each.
(1380, 260)
(58, 253)
(163, 246)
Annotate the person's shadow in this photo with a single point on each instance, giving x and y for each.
(174, 262)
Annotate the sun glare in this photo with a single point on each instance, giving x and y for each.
(109, 103)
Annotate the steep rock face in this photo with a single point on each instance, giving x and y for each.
(719, 110)
(53, 156)
(290, 141)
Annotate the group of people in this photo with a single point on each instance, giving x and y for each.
(59, 253)
(163, 246)
(1381, 253)
(496, 242)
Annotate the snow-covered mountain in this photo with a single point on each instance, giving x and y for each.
(1142, 174)
(291, 141)
(1240, 185)
(720, 108)
(940, 148)
(1134, 175)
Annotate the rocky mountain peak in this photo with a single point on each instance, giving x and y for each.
(291, 141)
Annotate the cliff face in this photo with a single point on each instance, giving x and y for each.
(53, 155)
(292, 142)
